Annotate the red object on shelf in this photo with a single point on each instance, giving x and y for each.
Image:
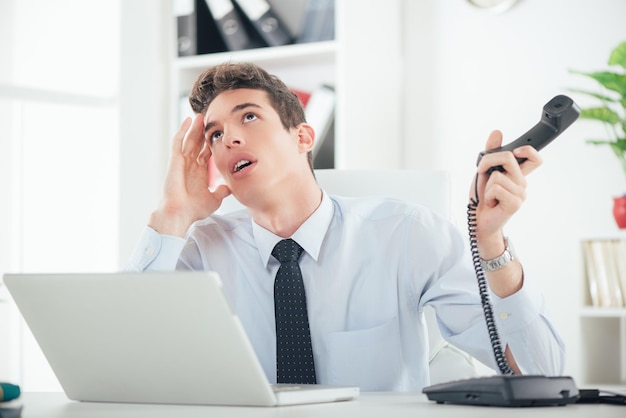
(304, 96)
(619, 211)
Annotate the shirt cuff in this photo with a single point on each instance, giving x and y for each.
(155, 251)
(523, 325)
(516, 312)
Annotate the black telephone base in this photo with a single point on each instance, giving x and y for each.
(506, 390)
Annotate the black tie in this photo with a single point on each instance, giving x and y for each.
(294, 353)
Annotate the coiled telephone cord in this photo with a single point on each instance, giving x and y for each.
(483, 289)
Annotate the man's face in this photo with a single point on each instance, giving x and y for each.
(251, 148)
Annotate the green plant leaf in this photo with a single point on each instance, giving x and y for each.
(618, 55)
(611, 81)
(599, 142)
(602, 114)
(619, 152)
(619, 146)
(612, 106)
(598, 96)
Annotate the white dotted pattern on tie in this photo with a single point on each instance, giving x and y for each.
(294, 353)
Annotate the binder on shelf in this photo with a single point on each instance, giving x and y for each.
(209, 38)
(590, 273)
(303, 95)
(619, 249)
(196, 30)
(185, 12)
(320, 114)
(325, 155)
(605, 268)
(318, 22)
(615, 286)
(602, 274)
(230, 25)
(265, 22)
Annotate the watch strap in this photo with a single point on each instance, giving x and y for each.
(500, 261)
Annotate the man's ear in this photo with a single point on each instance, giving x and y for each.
(306, 137)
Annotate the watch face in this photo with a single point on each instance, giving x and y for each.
(494, 5)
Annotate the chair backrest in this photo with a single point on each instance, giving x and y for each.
(430, 188)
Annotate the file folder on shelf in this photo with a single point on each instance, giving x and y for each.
(320, 114)
(265, 22)
(209, 38)
(185, 12)
(318, 22)
(197, 32)
(230, 26)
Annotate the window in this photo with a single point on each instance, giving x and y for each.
(59, 153)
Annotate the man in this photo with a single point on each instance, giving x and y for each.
(368, 265)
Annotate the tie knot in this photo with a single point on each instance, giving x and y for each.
(287, 250)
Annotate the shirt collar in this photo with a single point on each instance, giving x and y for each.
(310, 234)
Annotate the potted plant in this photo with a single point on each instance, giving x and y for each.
(611, 111)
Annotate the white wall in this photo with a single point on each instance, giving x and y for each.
(145, 49)
(471, 72)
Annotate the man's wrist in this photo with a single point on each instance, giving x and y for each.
(496, 263)
(168, 225)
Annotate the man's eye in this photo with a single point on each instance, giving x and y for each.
(248, 117)
(216, 136)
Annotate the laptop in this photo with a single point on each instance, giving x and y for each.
(154, 337)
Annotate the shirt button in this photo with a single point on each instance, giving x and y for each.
(149, 251)
(504, 316)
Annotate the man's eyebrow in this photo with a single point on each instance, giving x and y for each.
(236, 108)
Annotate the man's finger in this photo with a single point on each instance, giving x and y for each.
(494, 140)
(177, 142)
(194, 137)
(205, 154)
(531, 157)
(221, 192)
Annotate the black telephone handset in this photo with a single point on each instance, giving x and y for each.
(509, 389)
(558, 114)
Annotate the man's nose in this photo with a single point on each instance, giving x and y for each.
(232, 137)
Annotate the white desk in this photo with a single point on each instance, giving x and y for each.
(56, 405)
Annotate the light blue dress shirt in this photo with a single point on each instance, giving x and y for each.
(369, 266)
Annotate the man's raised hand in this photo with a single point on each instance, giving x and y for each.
(186, 195)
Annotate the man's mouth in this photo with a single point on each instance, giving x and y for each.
(240, 165)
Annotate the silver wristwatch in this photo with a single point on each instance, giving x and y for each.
(502, 260)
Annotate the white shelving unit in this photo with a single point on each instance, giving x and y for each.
(304, 66)
(300, 56)
(604, 345)
(363, 63)
(301, 66)
(603, 331)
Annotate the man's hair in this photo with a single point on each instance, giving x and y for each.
(232, 76)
